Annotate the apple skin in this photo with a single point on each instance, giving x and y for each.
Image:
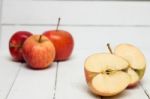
(38, 52)
(130, 86)
(63, 42)
(15, 44)
(89, 76)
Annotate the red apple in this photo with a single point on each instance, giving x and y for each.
(38, 52)
(63, 42)
(15, 44)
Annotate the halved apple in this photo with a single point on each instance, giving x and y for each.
(106, 74)
(136, 60)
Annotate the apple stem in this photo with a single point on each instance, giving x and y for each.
(58, 23)
(109, 48)
(40, 38)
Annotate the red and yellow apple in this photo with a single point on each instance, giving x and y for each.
(16, 43)
(38, 52)
(105, 74)
(63, 42)
(136, 60)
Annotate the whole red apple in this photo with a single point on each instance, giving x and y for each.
(16, 43)
(38, 51)
(63, 42)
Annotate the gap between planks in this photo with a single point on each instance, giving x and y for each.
(78, 25)
(17, 73)
(145, 91)
(56, 81)
(94, 0)
(56, 77)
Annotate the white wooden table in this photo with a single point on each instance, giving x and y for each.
(92, 24)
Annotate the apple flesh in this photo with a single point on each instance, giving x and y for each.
(63, 42)
(105, 74)
(38, 52)
(134, 77)
(136, 60)
(15, 44)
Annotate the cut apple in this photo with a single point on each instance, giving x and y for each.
(106, 74)
(136, 60)
(134, 77)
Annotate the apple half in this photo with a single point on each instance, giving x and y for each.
(136, 60)
(105, 74)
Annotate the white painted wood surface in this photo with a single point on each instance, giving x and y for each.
(77, 13)
(70, 79)
(92, 24)
(8, 73)
(89, 38)
(146, 80)
(34, 84)
(70, 75)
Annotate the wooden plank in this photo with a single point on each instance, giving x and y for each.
(8, 72)
(95, 38)
(112, 13)
(91, 38)
(34, 84)
(71, 83)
